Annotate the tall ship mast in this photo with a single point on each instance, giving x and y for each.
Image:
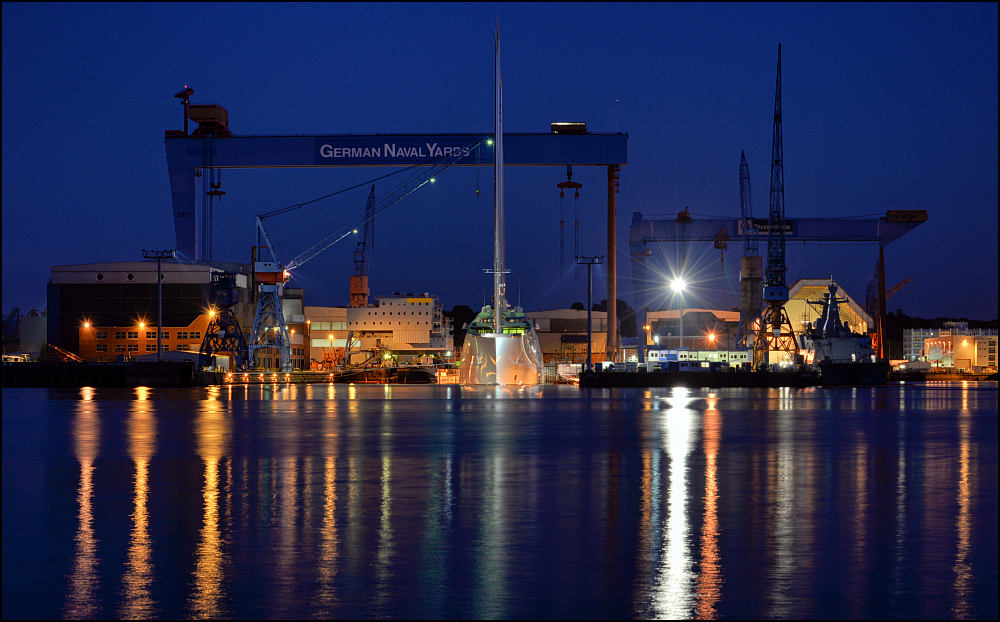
(501, 347)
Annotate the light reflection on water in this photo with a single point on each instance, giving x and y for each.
(372, 501)
(137, 599)
(673, 596)
(710, 578)
(208, 595)
(81, 601)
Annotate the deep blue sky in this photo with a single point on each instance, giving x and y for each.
(885, 107)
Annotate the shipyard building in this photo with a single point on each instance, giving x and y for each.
(406, 328)
(955, 345)
(108, 311)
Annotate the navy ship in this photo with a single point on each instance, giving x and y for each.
(839, 355)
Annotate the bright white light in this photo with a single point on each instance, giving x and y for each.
(678, 285)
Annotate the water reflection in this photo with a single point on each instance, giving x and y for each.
(672, 593)
(899, 544)
(326, 591)
(651, 505)
(710, 579)
(963, 569)
(384, 552)
(641, 503)
(137, 600)
(81, 601)
(212, 437)
(492, 557)
(860, 519)
(783, 572)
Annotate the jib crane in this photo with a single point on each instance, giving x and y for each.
(224, 333)
(776, 332)
(750, 266)
(875, 306)
(362, 255)
(269, 331)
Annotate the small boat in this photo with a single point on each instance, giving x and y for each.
(839, 355)
(406, 374)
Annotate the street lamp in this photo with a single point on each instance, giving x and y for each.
(589, 262)
(159, 256)
(678, 286)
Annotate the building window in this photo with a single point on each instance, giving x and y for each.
(150, 347)
(166, 347)
(119, 334)
(102, 334)
(133, 347)
(182, 334)
(196, 334)
(166, 335)
(102, 347)
(133, 334)
(182, 347)
(151, 335)
(119, 347)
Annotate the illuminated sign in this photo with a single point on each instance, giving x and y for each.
(764, 226)
(352, 151)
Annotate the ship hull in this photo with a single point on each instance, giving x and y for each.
(492, 359)
(845, 374)
(386, 375)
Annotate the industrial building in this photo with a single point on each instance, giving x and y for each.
(108, 311)
(562, 335)
(914, 339)
(24, 335)
(704, 329)
(407, 327)
(956, 346)
(713, 329)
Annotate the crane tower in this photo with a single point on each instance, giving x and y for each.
(362, 255)
(776, 332)
(750, 266)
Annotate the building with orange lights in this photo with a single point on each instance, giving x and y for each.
(975, 353)
(915, 342)
(104, 311)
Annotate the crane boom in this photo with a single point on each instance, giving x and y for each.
(777, 332)
(746, 210)
(362, 255)
(775, 288)
(748, 331)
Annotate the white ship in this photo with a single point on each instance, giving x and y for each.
(513, 357)
(500, 348)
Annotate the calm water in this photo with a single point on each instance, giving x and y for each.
(427, 501)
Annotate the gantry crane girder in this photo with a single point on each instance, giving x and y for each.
(188, 157)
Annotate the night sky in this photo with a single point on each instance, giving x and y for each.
(884, 107)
